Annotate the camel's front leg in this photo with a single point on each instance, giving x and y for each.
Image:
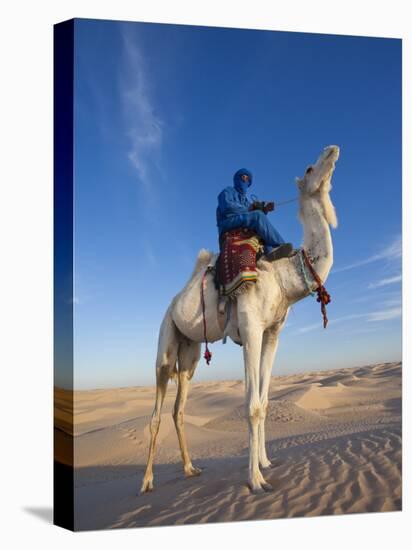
(252, 343)
(269, 347)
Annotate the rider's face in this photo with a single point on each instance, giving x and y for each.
(245, 177)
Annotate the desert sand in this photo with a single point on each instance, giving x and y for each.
(334, 438)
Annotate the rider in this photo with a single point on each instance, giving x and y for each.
(235, 211)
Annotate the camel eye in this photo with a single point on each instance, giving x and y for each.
(309, 169)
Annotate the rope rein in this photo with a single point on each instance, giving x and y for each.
(323, 295)
(208, 354)
(302, 267)
(255, 198)
(285, 202)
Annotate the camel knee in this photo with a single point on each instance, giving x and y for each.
(255, 413)
(164, 371)
(264, 406)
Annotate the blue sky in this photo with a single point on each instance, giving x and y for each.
(164, 116)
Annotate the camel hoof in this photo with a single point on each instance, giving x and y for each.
(147, 487)
(266, 465)
(267, 487)
(193, 471)
(256, 489)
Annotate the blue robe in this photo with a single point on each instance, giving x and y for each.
(233, 212)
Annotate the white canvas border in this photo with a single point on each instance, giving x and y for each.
(26, 273)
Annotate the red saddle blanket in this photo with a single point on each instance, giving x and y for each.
(236, 264)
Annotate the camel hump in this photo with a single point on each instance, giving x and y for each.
(203, 258)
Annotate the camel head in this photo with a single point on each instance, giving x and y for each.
(316, 182)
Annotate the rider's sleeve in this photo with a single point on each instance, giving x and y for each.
(229, 203)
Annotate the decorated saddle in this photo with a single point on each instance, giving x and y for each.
(236, 264)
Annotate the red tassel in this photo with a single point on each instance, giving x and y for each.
(323, 295)
(207, 355)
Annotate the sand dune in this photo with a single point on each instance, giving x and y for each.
(334, 438)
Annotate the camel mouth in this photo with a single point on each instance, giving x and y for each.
(331, 153)
(318, 176)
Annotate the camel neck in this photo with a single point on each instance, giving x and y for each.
(317, 239)
(318, 244)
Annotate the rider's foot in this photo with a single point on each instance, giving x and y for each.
(283, 251)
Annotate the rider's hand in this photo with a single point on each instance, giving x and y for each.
(269, 207)
(256, 205)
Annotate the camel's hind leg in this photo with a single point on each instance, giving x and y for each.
(188, 358)
(165, 368)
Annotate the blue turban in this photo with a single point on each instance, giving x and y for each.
(239, 184)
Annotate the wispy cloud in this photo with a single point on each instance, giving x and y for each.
(372, 316)
(144, 126)
(386, 314)
(314, 326)
(395, 301)
(391, 253)
(308, 328)
(384, 298)
(386, 281)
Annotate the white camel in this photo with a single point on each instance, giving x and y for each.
(257, 317)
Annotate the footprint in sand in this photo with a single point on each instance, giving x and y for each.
(130, 433)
